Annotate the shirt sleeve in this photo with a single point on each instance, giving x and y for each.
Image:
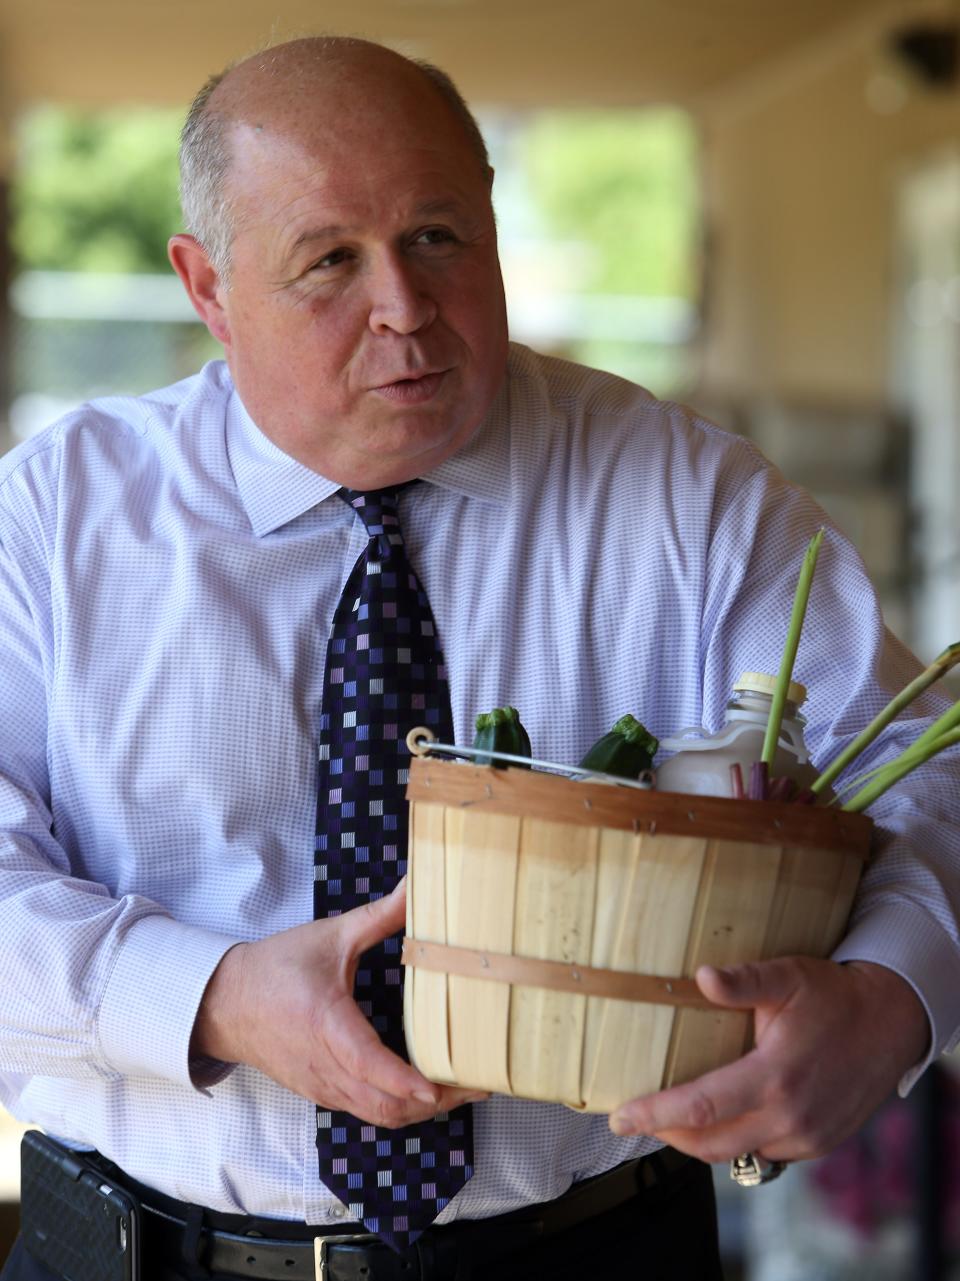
(905, 914)
(92, 986)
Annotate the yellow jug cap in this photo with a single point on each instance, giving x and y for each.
(761, 683)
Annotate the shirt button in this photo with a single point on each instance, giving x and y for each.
(338, 1212)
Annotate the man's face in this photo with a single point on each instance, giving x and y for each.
(365, 325)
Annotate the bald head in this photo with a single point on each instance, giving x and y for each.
(319, 82)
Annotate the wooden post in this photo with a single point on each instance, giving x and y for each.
(6, 267)
(6, 315)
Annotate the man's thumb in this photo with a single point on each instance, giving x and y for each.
(379, 918)
(743, 987)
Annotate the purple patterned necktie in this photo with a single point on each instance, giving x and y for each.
(384, 674)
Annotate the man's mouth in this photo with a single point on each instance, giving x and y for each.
(415, 390)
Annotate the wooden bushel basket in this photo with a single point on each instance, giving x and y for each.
(553, 926)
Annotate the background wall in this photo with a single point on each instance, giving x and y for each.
(803, 166)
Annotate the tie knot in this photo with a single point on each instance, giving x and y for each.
(377, 508)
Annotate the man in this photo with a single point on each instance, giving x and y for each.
(173, 567)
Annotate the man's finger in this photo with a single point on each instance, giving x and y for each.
(743, 987)
(719, 1097)
(749, 1134)
(379, 1085)
(373, 1105)
(363, 1057)
(369, 924)
(451, 1096)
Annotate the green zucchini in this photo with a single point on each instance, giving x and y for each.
(626, 751)
(501, 731)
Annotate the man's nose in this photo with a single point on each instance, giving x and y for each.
(399, 302)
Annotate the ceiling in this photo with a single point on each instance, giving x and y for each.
(510, 52)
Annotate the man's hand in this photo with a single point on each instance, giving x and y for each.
(832, 1041)
(285, 1005)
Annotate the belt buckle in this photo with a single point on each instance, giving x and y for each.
(321, 1246)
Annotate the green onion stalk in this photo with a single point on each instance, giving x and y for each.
(939, 667)
(801, 596)
(908, 760)
(950, 720)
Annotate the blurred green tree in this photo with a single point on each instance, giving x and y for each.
(625, 185)
(96, 191)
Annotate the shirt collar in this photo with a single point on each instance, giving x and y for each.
(275, 488)
(481, 469)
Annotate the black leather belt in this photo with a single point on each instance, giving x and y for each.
(174, 1231)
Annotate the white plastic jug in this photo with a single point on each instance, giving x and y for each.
(702, 761)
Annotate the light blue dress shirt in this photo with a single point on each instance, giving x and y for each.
(167, 581)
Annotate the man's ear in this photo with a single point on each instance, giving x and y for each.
(202, 283)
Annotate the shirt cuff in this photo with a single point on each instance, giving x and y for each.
(906, 940)
(144, 1026)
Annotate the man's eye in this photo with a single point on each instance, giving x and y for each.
(435, 236)
(333, 259)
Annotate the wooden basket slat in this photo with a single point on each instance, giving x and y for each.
(556, 885)
(729, 925)
(796, 912)
(798, 923)
(650, 939)
(838, 912)
(481, 893)
(425, 1003)
(617, 857)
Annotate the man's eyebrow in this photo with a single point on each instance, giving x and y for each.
(331, 232)
(445, 205)
(429, 209)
